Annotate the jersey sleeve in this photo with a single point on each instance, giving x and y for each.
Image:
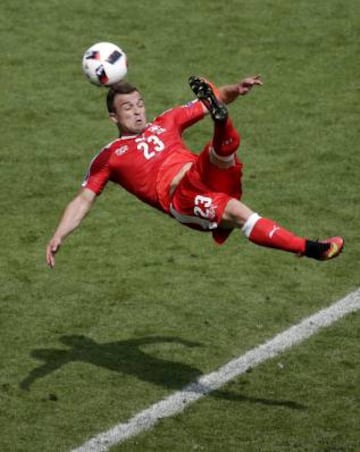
(185, 115)
(98, 172)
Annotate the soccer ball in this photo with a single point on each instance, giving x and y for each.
(104, 64)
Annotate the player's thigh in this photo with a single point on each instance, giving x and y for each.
(194, 203)
(235, 214)
(220, 179)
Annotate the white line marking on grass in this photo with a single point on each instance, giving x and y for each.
(178, 401)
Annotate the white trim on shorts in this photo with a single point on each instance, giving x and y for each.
(188, 219)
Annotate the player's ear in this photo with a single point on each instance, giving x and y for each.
(113, 118)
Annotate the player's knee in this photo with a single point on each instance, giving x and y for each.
(236, 213)
(222, 161)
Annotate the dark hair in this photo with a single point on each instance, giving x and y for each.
(118, 88)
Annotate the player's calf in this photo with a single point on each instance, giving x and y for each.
(265, 232)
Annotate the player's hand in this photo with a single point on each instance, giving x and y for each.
(51, 250)
(248, 83)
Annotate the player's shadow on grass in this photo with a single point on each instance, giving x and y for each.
(127, 357)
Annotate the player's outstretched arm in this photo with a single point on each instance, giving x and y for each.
(228, 93)
(73, 214)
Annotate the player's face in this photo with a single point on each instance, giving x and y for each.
(129, 114)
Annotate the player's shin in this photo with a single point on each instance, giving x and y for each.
(226, 138)
(266, 232)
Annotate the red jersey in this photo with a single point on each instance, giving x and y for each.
(145, 164)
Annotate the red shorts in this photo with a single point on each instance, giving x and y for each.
(168, 170)
(200, 198)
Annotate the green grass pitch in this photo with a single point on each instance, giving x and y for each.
(138, 306)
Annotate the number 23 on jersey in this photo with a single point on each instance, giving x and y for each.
(150, 146)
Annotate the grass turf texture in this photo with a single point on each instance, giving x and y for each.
(138, 305)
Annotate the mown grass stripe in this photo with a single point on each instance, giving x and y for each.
(178, 401)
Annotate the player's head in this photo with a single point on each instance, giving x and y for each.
(126, 108)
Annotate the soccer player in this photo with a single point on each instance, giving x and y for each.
(151, 161)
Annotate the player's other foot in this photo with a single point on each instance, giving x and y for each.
(204, 91)
(324, 250)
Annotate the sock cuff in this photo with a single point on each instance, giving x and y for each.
(250, 223)
(223, 158)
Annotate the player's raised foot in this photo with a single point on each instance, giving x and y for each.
(205, 93)
(324, 250)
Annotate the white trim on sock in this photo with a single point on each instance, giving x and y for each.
(250, 223)
(222, 158)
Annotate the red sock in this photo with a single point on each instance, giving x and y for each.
(226, 138)
(266, 232)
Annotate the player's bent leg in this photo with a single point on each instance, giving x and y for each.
(265, 232)
(225, 141)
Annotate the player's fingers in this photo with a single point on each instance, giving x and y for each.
(50, 259)
(51, 262)
(50, 254)
(256, 80)
(251, 81)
